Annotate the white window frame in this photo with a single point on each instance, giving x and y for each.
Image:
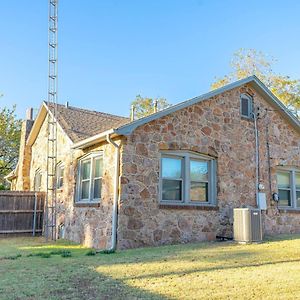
(250, 105)
(292, 172)
(89, 157)
(60, 166)
(38, 172)
(296, 189)
(186, 156)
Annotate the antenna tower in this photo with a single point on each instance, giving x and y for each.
(51, 200)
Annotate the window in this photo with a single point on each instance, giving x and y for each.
(60, 176)
(172, 180)
(187, 179)
(38, 180)
(288, 184)
(297, 183)
(284, 188)
(90, 170)
(246, 106)
(199, 180)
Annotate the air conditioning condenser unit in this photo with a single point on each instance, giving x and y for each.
(247, 225)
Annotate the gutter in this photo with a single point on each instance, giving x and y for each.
(114, 220)
(94, 139)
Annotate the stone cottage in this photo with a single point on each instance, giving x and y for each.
(171, 177)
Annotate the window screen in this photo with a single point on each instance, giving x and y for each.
(246, 104)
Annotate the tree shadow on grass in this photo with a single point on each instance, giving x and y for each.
(281, 237)
(94, 285)
(209, 269)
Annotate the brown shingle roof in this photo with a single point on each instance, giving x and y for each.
(80, 124)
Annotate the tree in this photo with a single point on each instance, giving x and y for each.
(10, 131)
(247, 62)
(144, 106)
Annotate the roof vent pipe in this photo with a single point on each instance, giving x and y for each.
(67, 104)
(29, 113)
(132, 113)
(155, 105)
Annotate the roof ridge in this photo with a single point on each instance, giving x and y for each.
(90, 111)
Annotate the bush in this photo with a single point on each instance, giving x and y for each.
(3, 187)
(91, 252)
(12, 257)
(41, 254)
(107, 251)
(66, 254)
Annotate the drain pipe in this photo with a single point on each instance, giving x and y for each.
(114, 220)
(256, 159)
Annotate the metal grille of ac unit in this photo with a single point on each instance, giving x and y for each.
(247, 225)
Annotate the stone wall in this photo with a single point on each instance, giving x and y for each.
(213, 127)
(89, 225)
(22, 181)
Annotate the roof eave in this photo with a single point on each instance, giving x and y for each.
(39, 122)
(285, 112)
(101, 137)
(37, 125)
(127, 129)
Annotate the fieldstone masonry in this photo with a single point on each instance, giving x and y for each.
(213, 127)
(23, 176)
(89, 225)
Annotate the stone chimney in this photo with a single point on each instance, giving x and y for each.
(23, 175)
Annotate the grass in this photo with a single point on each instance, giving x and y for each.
(270, 270)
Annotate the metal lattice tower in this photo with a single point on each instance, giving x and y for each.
(51, 200)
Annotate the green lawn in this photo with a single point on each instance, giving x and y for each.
(270, 270)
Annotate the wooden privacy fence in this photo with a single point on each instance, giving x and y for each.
(21, 212)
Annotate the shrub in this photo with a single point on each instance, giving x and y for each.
(91, 252)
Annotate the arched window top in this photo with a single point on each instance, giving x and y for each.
(246, 106)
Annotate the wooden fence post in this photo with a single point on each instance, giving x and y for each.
(34, 215)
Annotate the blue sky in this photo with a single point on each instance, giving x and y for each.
(112, 50)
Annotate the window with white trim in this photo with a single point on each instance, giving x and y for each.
(89, 182)
(246, 106)
(38, 180)
(60, 168)
(187, 179)
(288, 184)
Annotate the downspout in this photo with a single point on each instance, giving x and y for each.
(114, 220)
(256, 159)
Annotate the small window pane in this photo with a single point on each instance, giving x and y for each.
(297, 179)
(245, 107)
(199, 191)
(298, 199)
(283, 180)
(60, 176)
(86, 168)
(60, 182)
(284, 198)
(37, 181)
(199, 170)
(97, 188)
(171, 190)
(98, 167)
(171, 168)
(85, 188)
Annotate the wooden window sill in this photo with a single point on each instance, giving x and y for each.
(82, 204)
(196, 207)
(289, 210)
(247, 118)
